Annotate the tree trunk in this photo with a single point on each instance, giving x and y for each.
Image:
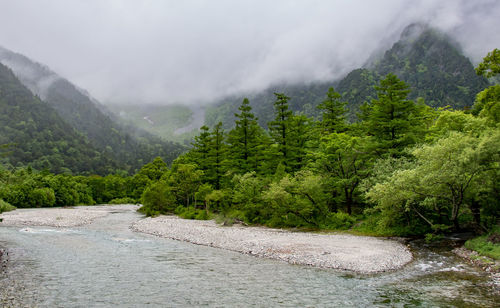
(454, 217)
(348, 200)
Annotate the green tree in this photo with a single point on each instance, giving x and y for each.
(300, 129)
(333, 113)
(158, 199)
(154, 170)
(444, 178)
(185, 180)
(279, 127)
(490, 65)
(487, 102)
(343, 160)
(199, 154)
(216, 157)
(244, 140)
(392, 120)
(247, 196)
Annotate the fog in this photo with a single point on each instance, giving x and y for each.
(195, 51)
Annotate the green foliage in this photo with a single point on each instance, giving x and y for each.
(192, 213)
(42, 197)
(338, 221)
(392, 120)
(125, 200)
(333, 118)
(484, 247)
(404, 170)
(490, 65)
(37, 135)
(429, 61)
(6, 207)
(441, 180)
(97, 143)
(343, 161)
(246, 141)
(154, 170)
(158, 199)
(279, 128)
(185, 180)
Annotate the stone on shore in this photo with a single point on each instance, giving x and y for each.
(339, 251)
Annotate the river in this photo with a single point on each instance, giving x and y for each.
(105, 264)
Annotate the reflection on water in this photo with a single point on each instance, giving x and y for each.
(105, 264)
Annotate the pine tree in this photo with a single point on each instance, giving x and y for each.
(333, 116)
(392, 120)
(279, 128)
(201, 148)
(216, 156)
(244, 140)
(300, 129)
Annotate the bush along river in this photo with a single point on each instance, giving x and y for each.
(106, 264)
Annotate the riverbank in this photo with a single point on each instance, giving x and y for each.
(339, 251)
(60, 217)
(359, 254)
(489, 265)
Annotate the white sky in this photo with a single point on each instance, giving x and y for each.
(192, 51)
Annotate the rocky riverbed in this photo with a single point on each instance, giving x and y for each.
(60, 217)
(340, 251)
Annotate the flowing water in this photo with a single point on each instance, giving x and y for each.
(105, 264)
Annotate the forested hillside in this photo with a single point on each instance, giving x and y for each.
(130, 147)
(429, 61)
(403, 169)
(33, 133)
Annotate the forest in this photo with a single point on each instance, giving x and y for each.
(403, 168)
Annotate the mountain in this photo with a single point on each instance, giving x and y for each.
(129, 146)
(428, 60)
(38, 136)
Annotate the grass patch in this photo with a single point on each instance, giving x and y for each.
(5, 206)
(484, 247)
(192, 213)
(125, 200)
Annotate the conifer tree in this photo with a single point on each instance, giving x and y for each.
(216, 156)
(244, 140)
(279, 128)
(392, 120)
(300, 129)
(201, 148)
(333, 116)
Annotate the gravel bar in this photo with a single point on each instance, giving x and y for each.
(60, 217)
(359, 254)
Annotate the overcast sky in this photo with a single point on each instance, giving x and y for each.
(191, 51)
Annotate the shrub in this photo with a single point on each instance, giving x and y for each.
(42, 197)
(339, 221)
(5, 206)
(192, 213)
(158, 199)
(125, 200)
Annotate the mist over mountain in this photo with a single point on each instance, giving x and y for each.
(128, 146)
(36, 135)
(192, 52)
(430, 61)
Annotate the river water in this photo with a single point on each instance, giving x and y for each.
(105, 264)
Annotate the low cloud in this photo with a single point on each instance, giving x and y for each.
(196, 51)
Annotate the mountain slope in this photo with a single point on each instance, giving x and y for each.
(129, 146)
(429, 61)
(39, 137)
